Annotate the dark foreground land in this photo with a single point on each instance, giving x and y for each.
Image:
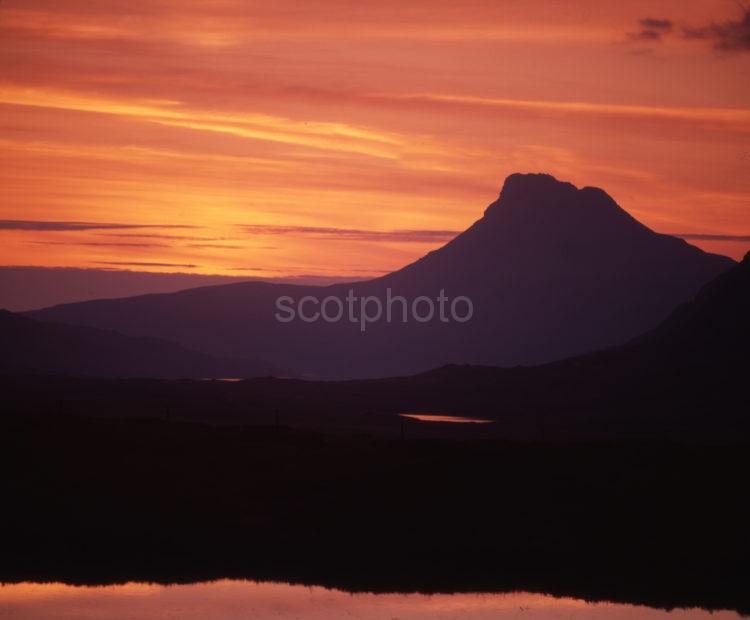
(104, 500)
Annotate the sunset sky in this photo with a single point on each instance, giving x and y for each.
(344, 138)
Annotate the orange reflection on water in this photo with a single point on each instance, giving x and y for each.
(237, 600)
(426, 417)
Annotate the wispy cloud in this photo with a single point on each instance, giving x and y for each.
(319, 135)
(737, 117)
(103, 244)
(728, 36)
(656, 24)
(215, 246)
(651, 29)
(143, 264)
(263, 269)
(170, 237)
(47, 226)
(645, 36)
(355, 234)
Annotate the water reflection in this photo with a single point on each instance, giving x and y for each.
(239, 600)
(429, 417)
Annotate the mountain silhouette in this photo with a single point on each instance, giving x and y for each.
(30, 347)
(552, 271)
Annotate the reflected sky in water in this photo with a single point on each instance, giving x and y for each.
(430, 417)
(240, 600)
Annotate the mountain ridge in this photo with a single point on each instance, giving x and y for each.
(35, 347)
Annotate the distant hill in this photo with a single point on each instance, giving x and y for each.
(711, 330)
(29, 288)
(31, 347)
(553, 271)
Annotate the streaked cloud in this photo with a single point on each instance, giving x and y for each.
(726, 36)
(103, 244)
(656, 23)
(144, 264)
(169, 237)
(651, 30)
(216, 246)
(738, 118)
(645, 35)
(47, 226)
(264, 127)
(353, 234)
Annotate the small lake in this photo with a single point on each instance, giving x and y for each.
(455, 419)
(248, 600)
